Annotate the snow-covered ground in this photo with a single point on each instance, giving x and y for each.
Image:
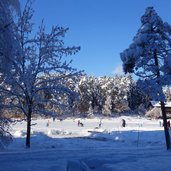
(63, 146)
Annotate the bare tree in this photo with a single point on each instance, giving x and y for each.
(8, 45)
(40, 65)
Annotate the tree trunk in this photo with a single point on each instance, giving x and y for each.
(166, 130)
(28, 128)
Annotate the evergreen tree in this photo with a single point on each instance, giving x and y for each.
(137, 97)
(149, 57)
(107, 108)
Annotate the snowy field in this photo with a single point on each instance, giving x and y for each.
(63, 146)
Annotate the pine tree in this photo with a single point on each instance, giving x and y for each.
(149, 57)
(137, 97)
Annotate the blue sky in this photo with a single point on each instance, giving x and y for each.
(103, 28)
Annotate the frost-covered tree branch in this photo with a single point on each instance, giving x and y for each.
(8, 46)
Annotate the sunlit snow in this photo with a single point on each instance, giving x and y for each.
(63, 146)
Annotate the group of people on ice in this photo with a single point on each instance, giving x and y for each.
(81, 124)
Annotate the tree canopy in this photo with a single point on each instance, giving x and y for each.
(152, 37)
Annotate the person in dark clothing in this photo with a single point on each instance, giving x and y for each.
(48, 123)
(123, 123)
(78, 122)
